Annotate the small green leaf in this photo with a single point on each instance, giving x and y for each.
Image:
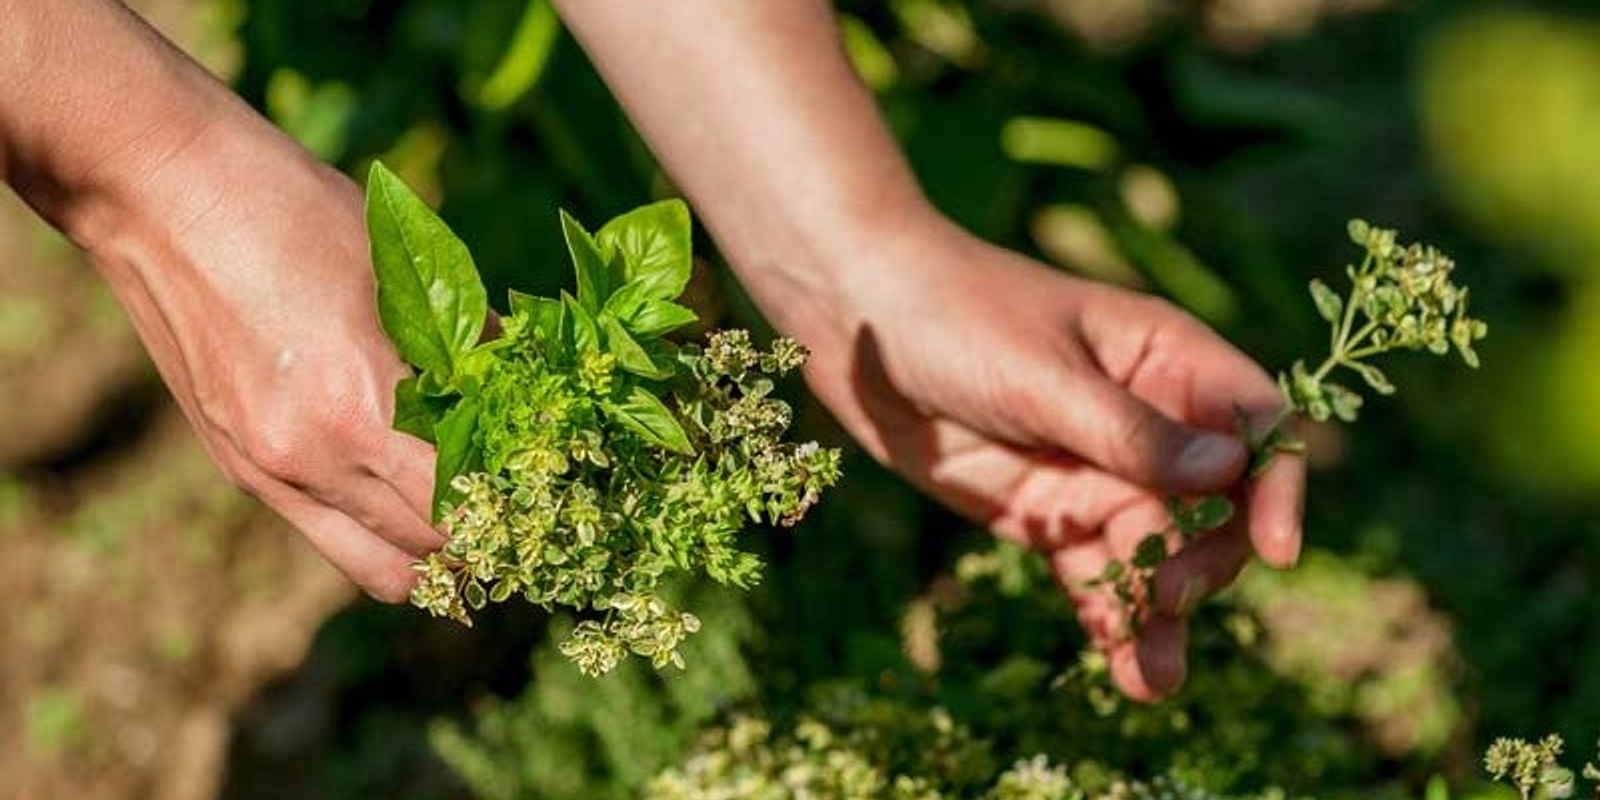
(416, 413)
(578, 326)
(591, 263)
(1360, 232)
(1345, 404)
(430, 300)
(1329, 304)
(1152, 550)
(1373, 376)
(630, 356)
(474, 594)
(645, 414)
(1275, 442)
(1211, 512)
(655, 244)
(459, 454)
(626, 301)
(657, 317)
(545, 317)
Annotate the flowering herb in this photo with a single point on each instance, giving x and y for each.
(583, 457)
(1401, 297)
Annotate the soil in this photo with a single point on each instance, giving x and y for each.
(146, 600)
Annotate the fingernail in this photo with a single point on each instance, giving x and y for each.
(1208, 454)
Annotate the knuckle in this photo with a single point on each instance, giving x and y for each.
(281, 452)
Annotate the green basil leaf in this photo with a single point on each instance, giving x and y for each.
(657, 317)
(655, 244)
(578, 326)
(1152, 550)
(630, 356)
(591, 264)
(1211, 512)
(645, 414)
(546, 317)
(430, 300)
(628, 300)
(459, 454)
(415, 412)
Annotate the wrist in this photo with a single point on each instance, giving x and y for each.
(814, 271)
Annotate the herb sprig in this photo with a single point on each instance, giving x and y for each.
(583, 457)
(1400, 297)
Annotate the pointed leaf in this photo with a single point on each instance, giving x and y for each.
(658, 317)
(459, 454)
(1152, 550)
(415, 412)
(545, 317)
(590, 262)
(430, 300)
(578, 326)
(655, 244)
(630, 356)
(645, 414)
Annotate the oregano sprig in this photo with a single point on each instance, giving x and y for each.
(583, 457)
(1400, 297)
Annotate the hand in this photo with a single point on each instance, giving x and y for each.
(243, 264)
(1057, 411)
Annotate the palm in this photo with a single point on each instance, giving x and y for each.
(963, 409)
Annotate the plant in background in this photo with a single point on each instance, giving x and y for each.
(582, 456)
(1401, 297)
(1534, 767)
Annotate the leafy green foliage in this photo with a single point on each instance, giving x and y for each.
(430, 300)
(582, 456)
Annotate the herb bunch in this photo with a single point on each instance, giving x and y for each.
(1401, 297)
(583, 457)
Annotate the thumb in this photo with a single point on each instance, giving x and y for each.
(1109, 426)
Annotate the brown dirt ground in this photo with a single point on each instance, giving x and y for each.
(145, 599)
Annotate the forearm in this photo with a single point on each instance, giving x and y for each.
(754, 111)
(92, 104)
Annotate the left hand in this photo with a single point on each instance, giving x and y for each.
(1057, 411)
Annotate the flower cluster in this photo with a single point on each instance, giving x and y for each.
(927, 757)
(1530, 766)
(574, 510)
(1401, 298)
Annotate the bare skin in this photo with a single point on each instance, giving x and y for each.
(1054, 410)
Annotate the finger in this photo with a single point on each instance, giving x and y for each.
(1103, 616)
(1277, 506)
(1109, 426)
(406, 463)
(383, 570)
(1200, 569)
(1155, 664)
(380, 568)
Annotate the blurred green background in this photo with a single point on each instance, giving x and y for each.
(1208, 151)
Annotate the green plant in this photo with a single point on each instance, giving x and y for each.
(1534, 767)
(1401, 297)
(583, 457)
